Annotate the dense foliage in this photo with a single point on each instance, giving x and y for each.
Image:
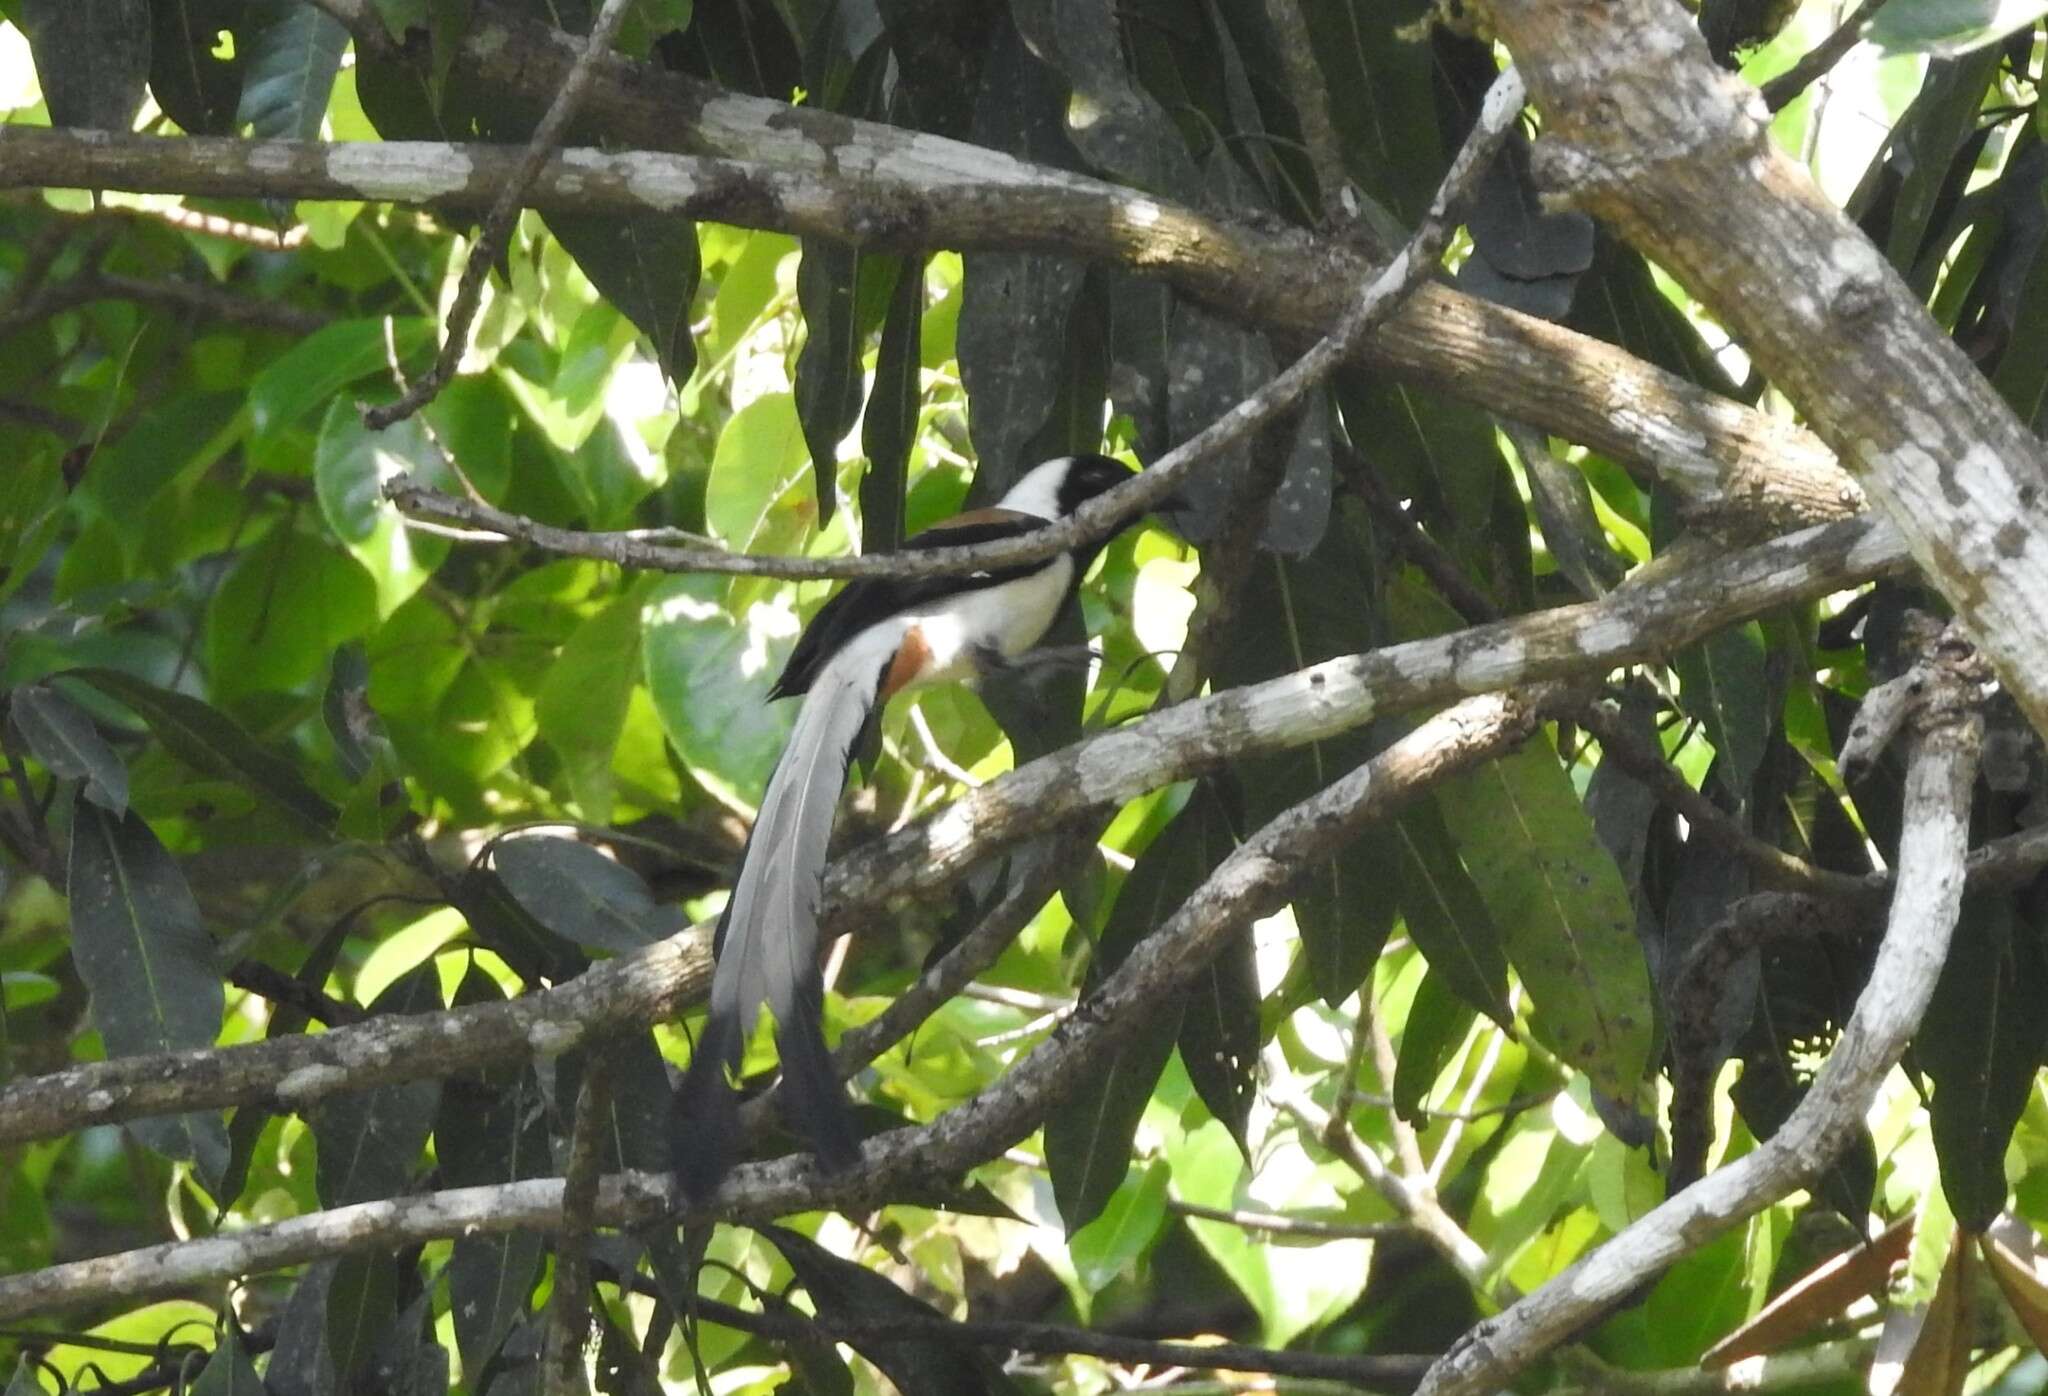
(280, 760)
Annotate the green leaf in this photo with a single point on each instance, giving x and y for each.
(1946, 28)
(889, 428)
(1219, 1035)
(1560, 902)
(1724, 683)
(1088, 1136)
(23, 1382)
(139, 944)
(577, 892)
(490, 1133)
(351, 466)
(292, 50)
(229, 1372)
(1437, 1022)
(1445, 915)
(581, 706)
(281, 612)
(1107, 1247)
(647, 266)
(1980, 1044)
(64, 739)
(92, 57)
(196, 87)
(1381, 98)
(930, 1366)
(754, 500)
(1116, 124)
(1014, 305)
(1310, 609)
(370, 1141)
(209, 741)
(312, 373)
(710, 682)
(362, 1305)
(31, 508)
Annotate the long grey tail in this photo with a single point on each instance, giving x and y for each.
(768, 938)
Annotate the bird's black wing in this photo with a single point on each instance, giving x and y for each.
(864, 601)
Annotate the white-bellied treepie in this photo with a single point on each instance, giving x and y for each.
(876, 637)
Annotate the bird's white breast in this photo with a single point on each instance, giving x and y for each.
(1009, 618)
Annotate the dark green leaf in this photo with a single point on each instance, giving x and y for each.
(1559, 900)
(741, 44)
(351, 466)
(281, 612)
(577, 892)
(143, 952)
(229, 1372)
(362, 1305)
(291, 50)
(92, 57)
(1088, 1137)
(1980, 1043)
(311, 374)
(64, 739)
(841, 1289)
(1437, 1022)
(1219, 1035)
(1381, 98)
(1949, 27)
(499, 921)
(1117, 125)
(842, 294)
(1303, 611)
(647, 266)
(209, 741)
(370, 1141)
(1014, 305)
(1445, 915)
(889, 427)
(300, 1364)
(196, 87)
(1723, 683)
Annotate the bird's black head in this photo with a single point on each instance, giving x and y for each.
(1088, 476)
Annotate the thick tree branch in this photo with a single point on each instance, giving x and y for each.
(890, 189)
(1632, 624)
(1936, 825)
(1250, 882)
(1644, 130)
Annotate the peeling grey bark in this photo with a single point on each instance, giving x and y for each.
(1644, 130)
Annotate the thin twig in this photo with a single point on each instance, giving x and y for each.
(1105, 514)
(1782, 90)
(1049, 1339)
(1707, 819)
(1311, 97)
(1279, 1224)
(569, 1306)
(497, 226)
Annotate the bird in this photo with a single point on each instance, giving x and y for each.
(876, 637)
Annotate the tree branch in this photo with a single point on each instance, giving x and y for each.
(1644, 130)
(1250, 882)
(1631, 624)
(776, 167)
(1939, 774)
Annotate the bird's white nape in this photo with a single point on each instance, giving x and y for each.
(1038, 492)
